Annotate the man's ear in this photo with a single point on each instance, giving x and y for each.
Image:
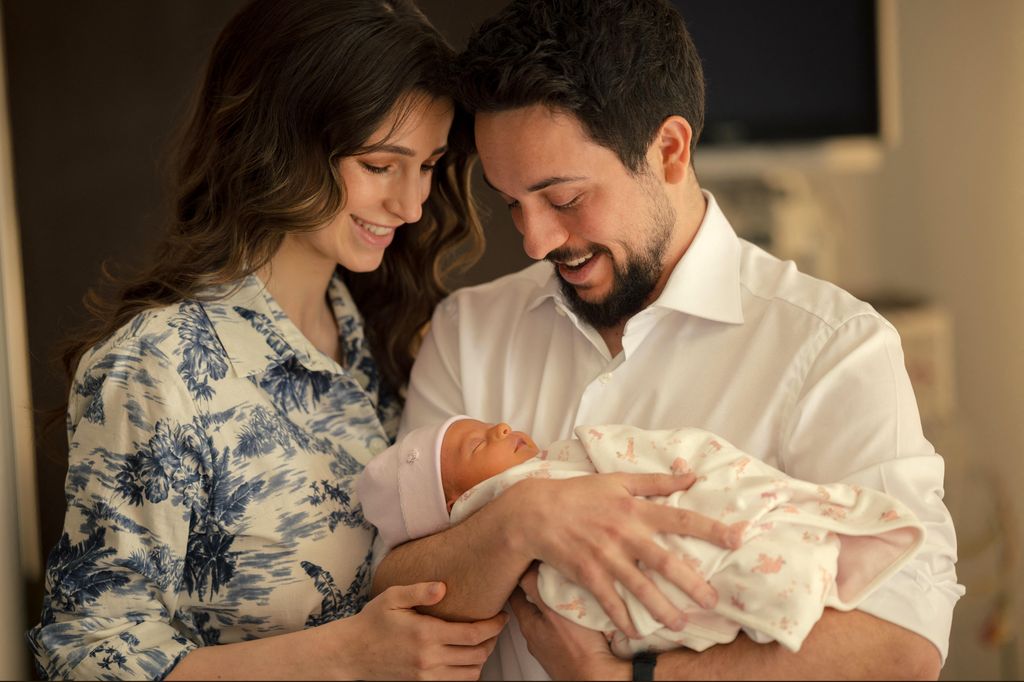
(672, 144)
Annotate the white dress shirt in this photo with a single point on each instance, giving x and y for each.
(791, 369)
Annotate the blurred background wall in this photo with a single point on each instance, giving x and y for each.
(95, 88)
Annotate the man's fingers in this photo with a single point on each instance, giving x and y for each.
(661, 485)
(648, 594)
(675, 521)
(603, 589)
(521, 607)
(529, 584)
(681, 574)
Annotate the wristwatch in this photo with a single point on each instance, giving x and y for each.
(643, 666)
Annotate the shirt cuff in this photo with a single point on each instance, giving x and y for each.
(913, 601)
(107, 648)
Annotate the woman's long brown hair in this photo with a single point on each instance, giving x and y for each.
(291, 88)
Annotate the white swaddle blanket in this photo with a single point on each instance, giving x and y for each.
(807, 546)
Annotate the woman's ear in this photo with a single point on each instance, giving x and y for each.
(672, 144)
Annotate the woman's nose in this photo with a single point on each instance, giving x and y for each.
(407, 200)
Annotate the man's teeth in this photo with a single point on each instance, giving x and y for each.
(378, 230)
(578, 261)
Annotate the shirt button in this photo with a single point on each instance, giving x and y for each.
(412, 456)
(605, 378)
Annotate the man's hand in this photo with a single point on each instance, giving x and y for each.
(566, 650)
(595, 530)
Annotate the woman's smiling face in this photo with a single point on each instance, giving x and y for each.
(384, 188)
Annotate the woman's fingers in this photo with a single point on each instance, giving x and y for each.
(458, 672)
(411, 596)
(468, 634)
(469, 655)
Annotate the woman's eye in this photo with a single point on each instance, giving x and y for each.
(379, 170)
(427, 168)
(513, 204)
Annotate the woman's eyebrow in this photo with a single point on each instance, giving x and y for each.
(406, 151)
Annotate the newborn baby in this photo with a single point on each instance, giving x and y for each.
(805, 546)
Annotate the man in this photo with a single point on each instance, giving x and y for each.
(652, 312)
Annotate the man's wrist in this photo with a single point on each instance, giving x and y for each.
(513, 506)
(610, 668)
(643, 666)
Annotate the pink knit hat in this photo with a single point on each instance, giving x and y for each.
(400, 489)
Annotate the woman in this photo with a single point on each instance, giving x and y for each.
(228, 396)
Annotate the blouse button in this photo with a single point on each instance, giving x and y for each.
(413, 455)
(605, 378)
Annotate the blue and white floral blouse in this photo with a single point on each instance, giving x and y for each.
(209, 491)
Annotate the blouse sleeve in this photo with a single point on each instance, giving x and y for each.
(138, 466)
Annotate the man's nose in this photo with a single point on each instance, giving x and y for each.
(542, 234)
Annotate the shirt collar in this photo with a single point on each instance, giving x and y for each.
(704, 283)
(257, 335)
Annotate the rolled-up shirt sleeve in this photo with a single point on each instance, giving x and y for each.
(138, 466)
(855, 420)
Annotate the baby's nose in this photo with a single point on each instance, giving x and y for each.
(501, 430)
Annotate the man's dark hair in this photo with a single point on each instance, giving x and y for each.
(620, 66)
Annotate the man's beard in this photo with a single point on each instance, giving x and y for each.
(635, 280)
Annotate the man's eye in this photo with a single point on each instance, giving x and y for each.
(569, 204)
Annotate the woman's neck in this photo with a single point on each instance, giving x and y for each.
(299, 282)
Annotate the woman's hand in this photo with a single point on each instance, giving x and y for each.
(595, 530)
(388, 639)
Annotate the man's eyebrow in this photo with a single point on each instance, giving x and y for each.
(404, 151)
(542, 184)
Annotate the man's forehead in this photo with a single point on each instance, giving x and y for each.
(535, 148)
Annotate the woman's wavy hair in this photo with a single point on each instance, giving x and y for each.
(290, 89)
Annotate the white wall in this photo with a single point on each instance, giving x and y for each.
(944, 216)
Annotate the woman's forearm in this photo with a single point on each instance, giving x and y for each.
(316, 653)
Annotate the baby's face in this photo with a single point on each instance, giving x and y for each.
(473, 451)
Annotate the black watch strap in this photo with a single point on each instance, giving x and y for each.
(643, 666)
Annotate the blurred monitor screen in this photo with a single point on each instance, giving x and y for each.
(786, 70)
